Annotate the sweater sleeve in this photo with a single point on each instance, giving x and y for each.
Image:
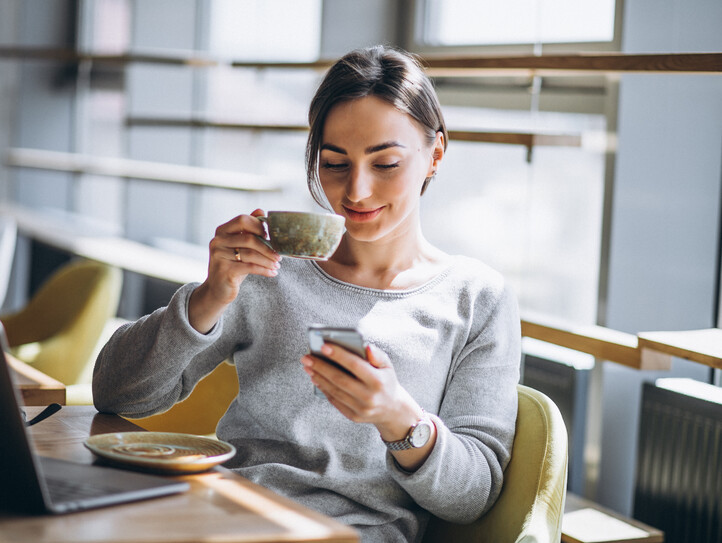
(462, 477)
(149, 365)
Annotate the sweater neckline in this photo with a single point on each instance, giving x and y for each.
(394, 293)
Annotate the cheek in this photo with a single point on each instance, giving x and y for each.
(333, 190)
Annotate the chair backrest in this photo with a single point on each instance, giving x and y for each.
(531, 503)
(200, 412)
(57, 331)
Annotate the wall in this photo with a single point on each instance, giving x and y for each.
(665, 213)
(348, 24)
(8, 82)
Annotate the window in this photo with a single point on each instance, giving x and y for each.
(282, 30)
(489, 22)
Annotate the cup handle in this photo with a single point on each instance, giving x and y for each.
(264, 220)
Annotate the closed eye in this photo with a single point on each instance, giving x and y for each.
(333, 165)
(387, 166)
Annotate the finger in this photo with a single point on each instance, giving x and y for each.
(345, 410)
(242, 248)
(251, 251)
(377, 358)
(336, 377)
(242, 223)
(339, 392)
(344, 358)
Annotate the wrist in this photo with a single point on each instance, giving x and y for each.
(397, 427)
(203, 312)
(417, 436)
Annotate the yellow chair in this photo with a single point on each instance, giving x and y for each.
(57, 332)
(200, 412)
(531, 503)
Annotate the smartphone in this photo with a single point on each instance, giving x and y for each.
(348, 338)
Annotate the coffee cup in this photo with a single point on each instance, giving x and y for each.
(301, 234)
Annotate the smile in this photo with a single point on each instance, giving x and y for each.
(365, 215)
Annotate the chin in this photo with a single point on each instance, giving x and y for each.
(362, 232)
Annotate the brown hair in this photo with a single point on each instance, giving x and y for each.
(387, 73)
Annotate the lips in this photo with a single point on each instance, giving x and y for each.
(362, 215)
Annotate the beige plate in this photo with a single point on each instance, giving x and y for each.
(161, 451)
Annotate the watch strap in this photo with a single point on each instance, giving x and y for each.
(405, 444)
(400, 445)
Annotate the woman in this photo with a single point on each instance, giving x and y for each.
(427, 423)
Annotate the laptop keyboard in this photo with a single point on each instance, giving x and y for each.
(62, 490)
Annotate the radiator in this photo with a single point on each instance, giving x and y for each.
(563, 375)
(678, 485)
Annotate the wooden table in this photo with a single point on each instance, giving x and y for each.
(35, 387)
(588, 522)
(220, 506)
(701, 346)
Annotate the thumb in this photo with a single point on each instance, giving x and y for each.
(377, 358)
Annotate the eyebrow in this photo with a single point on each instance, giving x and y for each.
(368, 150)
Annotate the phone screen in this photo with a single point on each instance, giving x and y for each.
(348, 338)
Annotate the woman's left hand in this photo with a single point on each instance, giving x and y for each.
(372, 394)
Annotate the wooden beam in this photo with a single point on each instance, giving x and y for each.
(178, 58)
(447, 65)
(207, 123)
(675, 63)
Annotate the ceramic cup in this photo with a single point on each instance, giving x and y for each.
(301, 234)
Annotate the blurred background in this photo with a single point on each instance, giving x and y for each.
(154, 121)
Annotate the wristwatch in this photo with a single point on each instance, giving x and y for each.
(418, 436)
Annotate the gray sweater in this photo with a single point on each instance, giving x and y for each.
(455, 346)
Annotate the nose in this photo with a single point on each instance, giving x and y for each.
(359, 185)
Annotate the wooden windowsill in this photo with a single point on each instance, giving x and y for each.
(644, 351)
(602, 343)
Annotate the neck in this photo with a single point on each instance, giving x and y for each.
(400, 262)
(398, 253)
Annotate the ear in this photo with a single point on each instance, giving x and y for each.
(437, 154)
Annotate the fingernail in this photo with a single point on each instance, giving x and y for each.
(326, 349)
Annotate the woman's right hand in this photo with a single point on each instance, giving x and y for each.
(235, 252)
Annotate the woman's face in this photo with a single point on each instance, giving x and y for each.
(373, 162)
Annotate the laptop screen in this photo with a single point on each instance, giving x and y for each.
(20, 486)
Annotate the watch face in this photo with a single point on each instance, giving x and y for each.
(421, 434)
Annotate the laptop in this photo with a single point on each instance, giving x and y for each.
(31, 483)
